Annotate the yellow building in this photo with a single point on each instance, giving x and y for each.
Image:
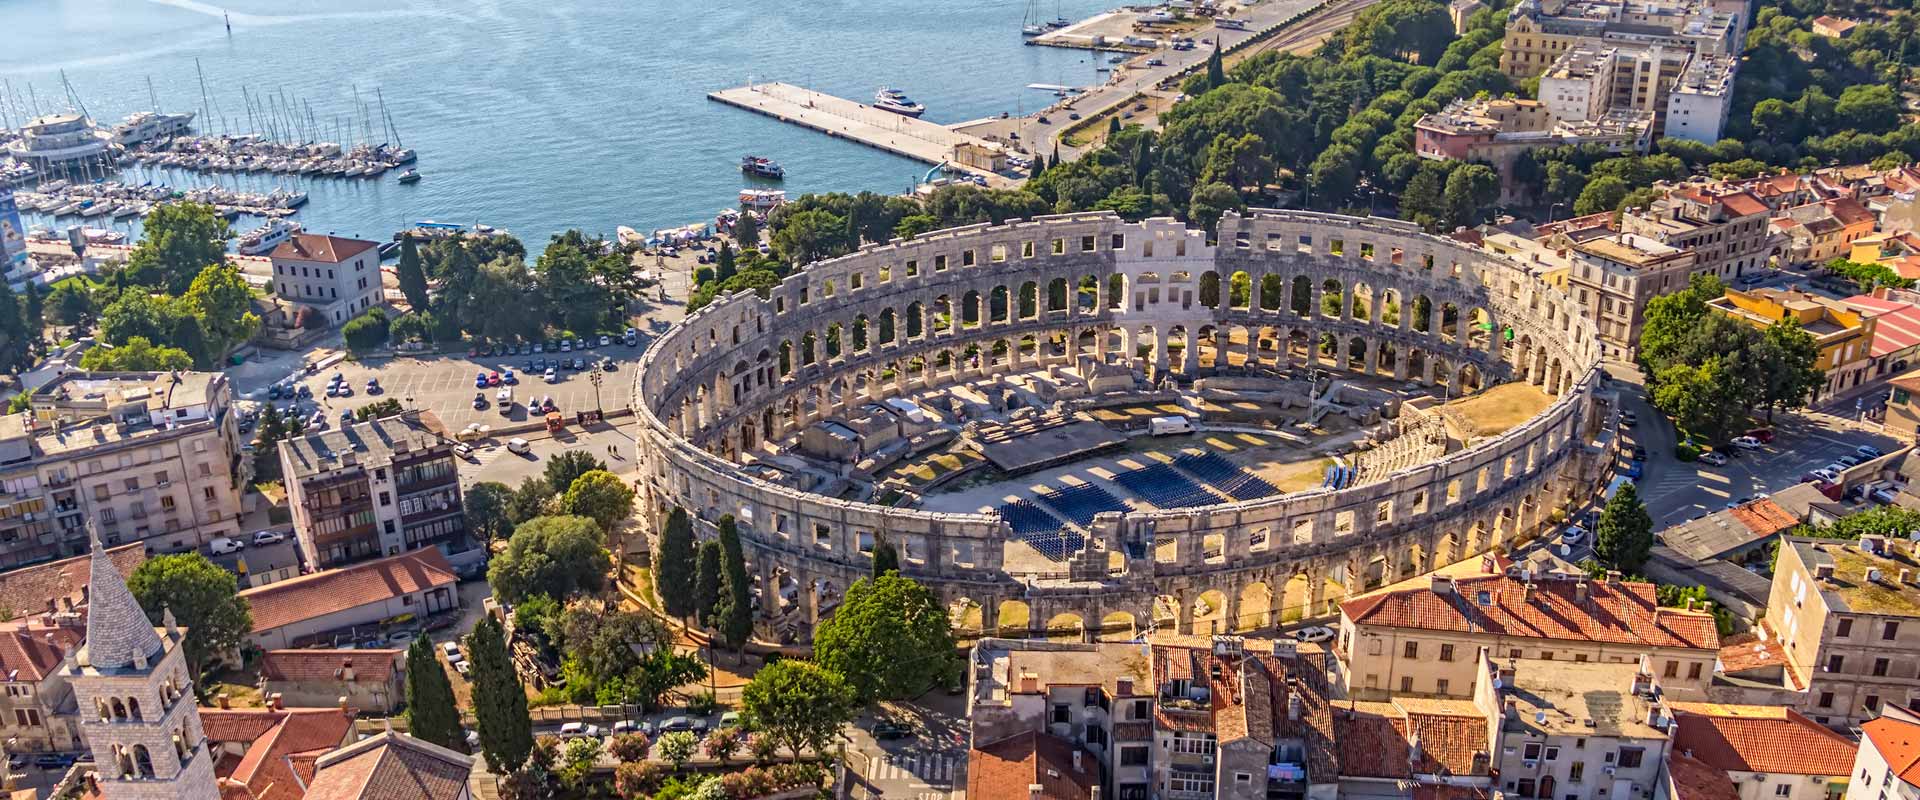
(1845, 337)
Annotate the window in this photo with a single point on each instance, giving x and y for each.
(1531, 752)
(1406, 683)
(1826, 699)
(1783, 790)
(1890, 631)
(132, 484)
(1630, 757)
(1576, 771)
(1880, 667)
(1552, 753)
(1133, 756)
(1872, 703)
(1835, 662)
(1413, 650)
(1446, 652)
(1672, 670)
(1440, 686)
(1062, 713)
(386, 499)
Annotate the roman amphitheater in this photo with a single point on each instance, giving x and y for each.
(1077, 425)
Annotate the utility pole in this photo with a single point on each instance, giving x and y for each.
(594, 377)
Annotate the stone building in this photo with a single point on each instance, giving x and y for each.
(307, 609)
(1847, 615)
(374, 489)
(1581, 730)
(370, 681)
(1764, 752)
(150, 457)
(334, 277)
(1426, 640)
(1888, 764)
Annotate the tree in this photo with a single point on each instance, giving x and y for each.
(890, 638)
(134, 313)
(1790, 360)
(629, 746)
(486, 504)
(601, 496)
(721, 743)
(1867, 109)
(499, 699)
(188, 337)
(886, 557)
(733, 611)
(673, 568)
(367, 331)
(413, 277)
(555, 556)
(1624, 539)
(1603, 193)
(431, 713)
(577, 760)
(798, 704)
(567, 466)
(1210, 202)
(178, 241)
(1471, 189)
(137, 355)
(746, 231)
(223, 303)
(379, 409)
(726, 265)
(529, 499)
(677, 747)
(707, 581)
(204, 598)
(1216, 69)
(69, 302)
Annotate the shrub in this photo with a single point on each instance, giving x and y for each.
(702, 704)
(1686, 451)
(629, 746)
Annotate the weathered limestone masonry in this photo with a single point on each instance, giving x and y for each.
(977, 301)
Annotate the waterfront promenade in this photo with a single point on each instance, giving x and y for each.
(846, 119)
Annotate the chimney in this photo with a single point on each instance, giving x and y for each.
(1077, 765)
(1823, 572)
(1036, 791)
(1507, 673)
(1442, 584)
(1643, 678)
(275, 701)
(1613, 577)
(1511, 708)
(1526, 592)
(1874, 543)
(343, 706)
(221, 700)
(346, 671)
(1906, 576)
(1029, 683)
(1580, 592)
(1294, 706)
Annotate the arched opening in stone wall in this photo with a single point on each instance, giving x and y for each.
(1333, 299)
(1378, 573)
(1014, 619)
(1302, 300)
(1296, 598)
(1117, 291)
(1087, 295)
(1166, 613)
(1480, 330)
(1240, 291)
(1066, 626)
(1209, 613)
(1362, 301)
(970, 313)
(1255, 607)
(1391, 312)
(1000, 304)
(1118, 626)
(1210, 289)
(1057, 295)
(1273, 292)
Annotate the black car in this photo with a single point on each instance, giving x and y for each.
(1639, 453)
(889, 729)
(54, 761)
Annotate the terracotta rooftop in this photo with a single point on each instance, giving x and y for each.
(330, 665)
(316, 247)
(1771, 739)
(326, 592)
(29, 653)
(281, 745)
(1614, 612)
(391, 766)
(1694, 779)
(1375, 739)
(1749, 656)
(50, 586)
(1899, 744)
(1007, 768)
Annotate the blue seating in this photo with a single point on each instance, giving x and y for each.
(1160, 485)
(1027, 518)
(1057, 546)
(1080, 503)
(1230, 478)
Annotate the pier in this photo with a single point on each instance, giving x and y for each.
(884, 130)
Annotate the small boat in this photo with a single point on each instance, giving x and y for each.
(410, 176)
(762, 198)
(1033, 30)
(762, 167)
(897, 102)
(263, 239)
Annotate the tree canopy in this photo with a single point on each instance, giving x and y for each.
(555, 556)
(1624, 539)
(601, 496)
(801, 706)
(204, 598)
(431, 713)
(890, 638)
(499, 699)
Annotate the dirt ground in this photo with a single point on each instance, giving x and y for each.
(1497, 410)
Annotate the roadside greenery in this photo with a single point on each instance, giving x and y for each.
(1709, 371)
(555, 556)
(1623, 539)
(890, 639)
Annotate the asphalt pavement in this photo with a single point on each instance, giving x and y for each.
(928, 764)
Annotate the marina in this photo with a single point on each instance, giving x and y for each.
(256, 154)
(113, 200)
(895, 133)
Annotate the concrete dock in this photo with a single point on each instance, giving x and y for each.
(835, 116)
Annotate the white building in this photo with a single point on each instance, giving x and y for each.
(1698, 102)
(1888, 766)
(335, 277)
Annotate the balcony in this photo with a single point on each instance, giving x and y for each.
(429, 484)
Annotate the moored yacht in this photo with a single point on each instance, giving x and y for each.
(762, 167)
(263, 239)
(897, 102)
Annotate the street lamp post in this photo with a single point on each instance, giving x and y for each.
(594, 377)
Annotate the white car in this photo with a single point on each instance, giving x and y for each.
(1317, 633)
(464, 450)
(268, 537)
(553, 375)
(1746, 442)
(519, 445)
(1713, 458)
(1827, 475)
(573, 729)
(450, 648)
(1574, 534)
(224, 545)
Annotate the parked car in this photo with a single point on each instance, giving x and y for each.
(1868, 451)
(493, 379)
(1746, 442)
(54, 761)
(1317, 633)
(730, 719)
(1826, 474)
(553, 375)
(268, 537)
(1765, 435)
(1837, 467)
(578, 729)
(630, 726)
(1884, 496)
(479, 400)
(519, 445)
(683, 722)
(1851, 461)
(1574, 534)
(1629, 418)
(509, 378)
(465, 451)
(1637, 452)
(373, 386)
(891, 729)
(223, 545)
(1713, 458)
(605, 340)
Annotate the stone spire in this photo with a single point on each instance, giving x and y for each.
(119, 635)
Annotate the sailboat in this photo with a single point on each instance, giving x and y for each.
(1029, 22)
(1059, 20)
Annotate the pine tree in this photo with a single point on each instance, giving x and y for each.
(707, 580)
(726, 267)
(1625, 536)
(413, 278)
(734, 610)
(431, 715)
(886, 558)
(674, 565)
(499, 700)
(746, 231)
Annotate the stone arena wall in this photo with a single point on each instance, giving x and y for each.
(971, 302)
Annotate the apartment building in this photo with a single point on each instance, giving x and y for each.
(37, 710)
(1500, 131)
(152, 457)
(1847, 615)
(334, 277)
(1725, 227)
(376, 488)
(1092, 696)
(1569, 730)
(1817, 233)
(1699, 103)
(1539, 32)
(1843, 335)
(1413, 747)
(1888, 764)
(1594, 79)
(1426, 640)
(1763, 752)
(1613, 276)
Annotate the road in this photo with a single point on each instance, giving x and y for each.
(931, 764)
(492, 462)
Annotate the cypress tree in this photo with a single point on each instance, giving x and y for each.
(673, 567)
(1039, 166)
(747, 231)
(885, 558)
(707, 580)
(499, 700)
(413, 278)
(726, 268)
(1113, 127)
(1216, 69)
(735, 607)
(431, 715)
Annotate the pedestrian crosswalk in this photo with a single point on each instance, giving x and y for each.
(933, 770)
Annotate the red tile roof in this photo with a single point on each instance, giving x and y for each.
(391, 767)
(1849, 212)
(1007, 767)
(1899, 744)
(1743, 203)
(1748, 656)
(30, 590)
(1618, 613)
(1376, 740)
(29, 653)
(1898, 327)
(1694, 779)
(315, 247)
(331, 591)
(330, 665)
(1764, 517)
(281, 745)
(1767, 739)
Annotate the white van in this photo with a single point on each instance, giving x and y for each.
(519, 445)
(224, 545)
(1169, 426)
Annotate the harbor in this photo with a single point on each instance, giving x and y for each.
(114, 200)
(899, 134)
